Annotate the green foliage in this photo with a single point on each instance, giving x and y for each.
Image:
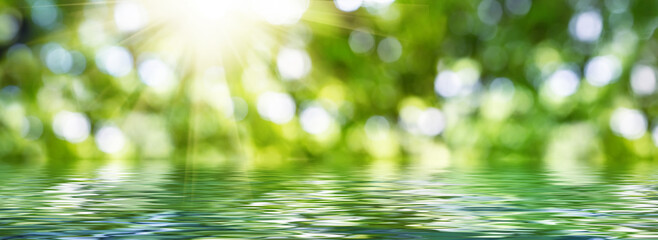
(501, 98)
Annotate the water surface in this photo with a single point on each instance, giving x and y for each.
(160, 201)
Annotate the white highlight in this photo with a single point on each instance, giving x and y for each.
(586, 26)
(157, 74)
(129, 16)
(431, 122)
(602, 70)
(71, 126)
(348, 5)
(315, 120)
(276, 107)
(563, 83)
(377, 4)
(281, 12)
(447, 84)
(628, 123)
(110, 139)
(213, 9)
(643, 80)
(293, 64)
(115, 61)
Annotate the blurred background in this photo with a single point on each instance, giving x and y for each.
(558, 84)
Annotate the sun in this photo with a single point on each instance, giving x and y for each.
(206, 32)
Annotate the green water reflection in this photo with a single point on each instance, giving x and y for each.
(154, 200)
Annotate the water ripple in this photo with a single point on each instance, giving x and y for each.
(174, 203)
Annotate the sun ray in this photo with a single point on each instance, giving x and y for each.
(140, 33)
(193, 126)
(315, 19)
(72, 4)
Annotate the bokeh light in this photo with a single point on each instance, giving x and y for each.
(389, 49)
(110, 139)
(284, 12)
(361, 41)
(315, 120)
(32, 128)
(130, 16)
(115, 61)
(156, 74)
(628, 123)
(348, 5)
(643, 80)
(303, 78)
(431, 122)
(602, 70)
(58, 59)
(490, 12)
(45, 13)
(447, 84)
(518, 7)
(276, 107)
(71, 126)
(586, 26)
(293, 63)
(9, 27)
(563, 83)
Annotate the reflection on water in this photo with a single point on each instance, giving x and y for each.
(158, 201)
